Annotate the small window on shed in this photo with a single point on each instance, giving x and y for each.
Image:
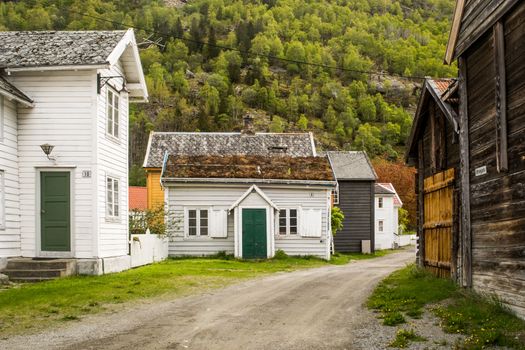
(380, 225)
(380, 202)
(335, 195)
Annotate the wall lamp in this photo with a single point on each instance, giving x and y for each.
(47, 149)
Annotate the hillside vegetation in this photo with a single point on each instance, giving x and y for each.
(194, 86)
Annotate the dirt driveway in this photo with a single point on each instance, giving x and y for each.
(310, 309)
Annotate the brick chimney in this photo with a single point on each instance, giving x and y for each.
(248, 125)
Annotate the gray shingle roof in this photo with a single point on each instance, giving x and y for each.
(382, 190)
(56, 48)
(226, 144)
(352, 165)
(7, 87)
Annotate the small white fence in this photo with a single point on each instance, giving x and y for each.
(148, 248)
(404, 240)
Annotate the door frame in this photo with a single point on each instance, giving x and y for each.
(269, 236)
(50, 254)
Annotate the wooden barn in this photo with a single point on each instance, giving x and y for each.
(487, 188)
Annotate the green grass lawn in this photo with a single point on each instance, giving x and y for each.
(35, 306)
(484, 321)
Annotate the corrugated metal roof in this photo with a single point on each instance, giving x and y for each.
(56, 48)
(227, 144)
(351, 165)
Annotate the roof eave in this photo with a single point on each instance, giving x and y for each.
(73, 67)
(28, 103)
(330, 183)
(138, 90)
(454, 32)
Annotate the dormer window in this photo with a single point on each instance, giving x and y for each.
(112, 102)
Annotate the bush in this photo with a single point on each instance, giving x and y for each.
(337, 220)
(152, 219)
(280, 255)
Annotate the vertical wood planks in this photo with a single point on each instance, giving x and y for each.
(501, 98)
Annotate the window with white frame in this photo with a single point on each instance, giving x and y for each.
(112, 195)
(113, 113)
(380, 225)
(335, 194)
(380, 202)
(2, 200)
(197, 222)
(288, 221)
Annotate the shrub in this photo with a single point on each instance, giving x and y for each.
(337, 220)
(280, 255)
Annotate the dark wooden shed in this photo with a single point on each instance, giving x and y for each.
(488, 40)
(355, 196)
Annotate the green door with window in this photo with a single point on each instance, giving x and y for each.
(55, 223)
(254, 245)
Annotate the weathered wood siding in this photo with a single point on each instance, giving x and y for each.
(478, 17)
(222, 197)
(63, 115)
(112, 160)
(356, 200)
(498, 198)
(10, 232)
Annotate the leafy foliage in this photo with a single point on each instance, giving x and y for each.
(337, 220)
(194, 86)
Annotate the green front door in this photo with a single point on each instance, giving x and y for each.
(55, 211)
(254, 234)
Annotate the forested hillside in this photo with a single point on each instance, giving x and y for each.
(195, 86)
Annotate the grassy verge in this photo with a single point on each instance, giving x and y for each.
(345, 258)
(35, 306)
(484, 321)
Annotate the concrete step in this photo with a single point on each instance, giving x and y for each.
(29, 264)
(49, 273)
(32, 279)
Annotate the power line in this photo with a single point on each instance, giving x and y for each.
(229, 48)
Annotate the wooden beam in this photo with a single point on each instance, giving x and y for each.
(454, 31)
(466, 239)
(421, 204)
(502, 161)
(432, 112)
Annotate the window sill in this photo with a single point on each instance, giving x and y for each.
(113, 220)
(285, 237)
(113, 139)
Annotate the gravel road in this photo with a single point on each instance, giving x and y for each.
(319, 308)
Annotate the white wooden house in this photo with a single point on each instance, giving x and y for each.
(69, 90)
(387, 204)
(248, 205)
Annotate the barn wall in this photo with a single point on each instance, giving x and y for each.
(498, 199)
(356, 200)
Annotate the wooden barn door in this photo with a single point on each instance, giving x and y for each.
(438, 222)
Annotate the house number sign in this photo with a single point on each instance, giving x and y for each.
(480, 171)
(86, 174)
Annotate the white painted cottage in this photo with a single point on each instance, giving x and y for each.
(248, 205)
(387, 204)
(68, 90)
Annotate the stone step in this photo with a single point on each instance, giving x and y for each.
(32, 279)
(29, 264)
(49, 273)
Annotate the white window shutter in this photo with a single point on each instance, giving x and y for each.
(218, 223)
(311, 223)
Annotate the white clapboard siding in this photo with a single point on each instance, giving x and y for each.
(386, 238)
(10, 223)
(112, 160)
(63, 116)
(223, 196)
